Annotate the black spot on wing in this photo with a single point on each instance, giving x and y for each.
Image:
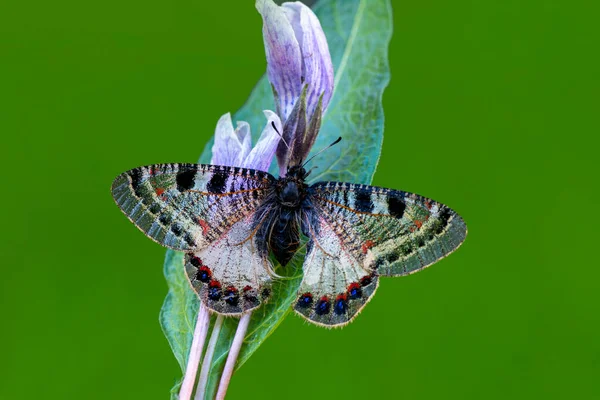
(396, 205)
(341, 305)
(177, 229)
(136, 176)
(231, 296)
(305, 300)
(443, 218)
(195, 261)
(392, 256)
(406, 248)
(323, 306)
(185, 180)
(217, 183)
(165, 219)
(155, 208)
(362, 201)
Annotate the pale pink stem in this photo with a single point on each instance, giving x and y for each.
(208, 356)
(200, 331)
(234, 351)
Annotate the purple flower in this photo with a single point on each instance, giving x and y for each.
(234, 147)
(300, 70)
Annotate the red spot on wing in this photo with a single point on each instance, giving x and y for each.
(412, 229)
(325, 298)
(342, 296)
(159, 191)
(365, 280)
(428, 204)
(204, 226)
(232, 289)
(247, 288)
(367, 245)
(353, 285)
(418, 223)
(214, 283)
(196, 261)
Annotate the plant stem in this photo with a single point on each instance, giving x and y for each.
(234, 351)
(208, 356)
(200, 331)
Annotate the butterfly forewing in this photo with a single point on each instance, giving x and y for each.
(364, 230)
(188, 206)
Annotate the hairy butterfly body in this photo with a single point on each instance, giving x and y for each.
(228, 220)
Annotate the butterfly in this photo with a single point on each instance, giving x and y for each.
(229, 220)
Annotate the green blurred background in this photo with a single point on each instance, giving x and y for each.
(492, 109)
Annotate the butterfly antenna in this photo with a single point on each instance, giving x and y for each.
(322, 150)
(311, 170)
(280, 135)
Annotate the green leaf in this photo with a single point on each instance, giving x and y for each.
(358, 35)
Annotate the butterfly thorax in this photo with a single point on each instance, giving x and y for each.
(281, 227)
(291, 189)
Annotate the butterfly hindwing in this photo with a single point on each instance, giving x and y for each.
(359, 229)
(232, 275)
(188, 206)
(335, 285)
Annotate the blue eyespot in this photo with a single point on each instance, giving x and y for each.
(231, 296)
(354, 291)
(341, 306)
(214, 292)
(203, 274)
(305, 300)
(323, 306)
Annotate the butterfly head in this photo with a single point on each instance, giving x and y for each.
(297, 172)
(291, 188)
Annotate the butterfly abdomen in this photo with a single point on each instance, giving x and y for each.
(284, 237)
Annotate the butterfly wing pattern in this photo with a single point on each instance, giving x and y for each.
(358, 233)
(224, 218)
(206, 211)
